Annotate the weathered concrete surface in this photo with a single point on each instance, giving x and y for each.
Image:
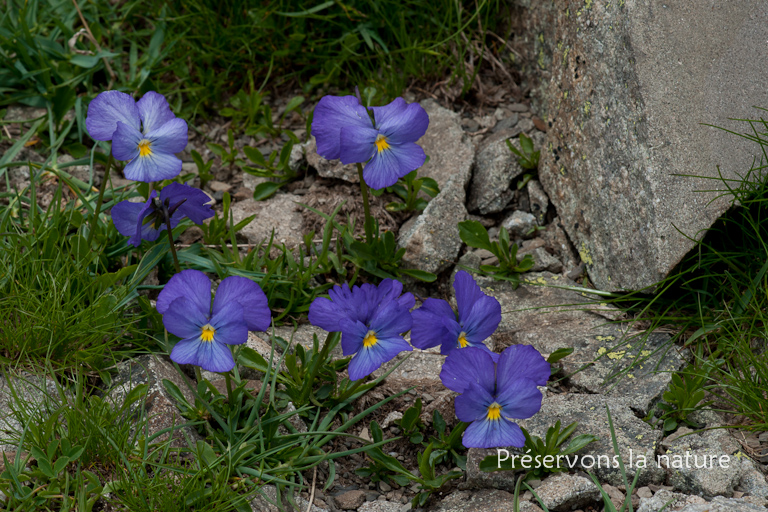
(631, 83)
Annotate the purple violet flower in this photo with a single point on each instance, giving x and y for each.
(145, 221)
(493, 395)
(145, 132)
(435, 322)
(344, 130)
(371, 320)
(185, 303)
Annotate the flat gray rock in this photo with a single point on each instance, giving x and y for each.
(564, 492)
(279, 213)
(721, 504)
(607, 358)
(431, 240)
(668, 500)
(495, 168)
(485, 500)
(36, 394)
(626, 89)
(160, 407)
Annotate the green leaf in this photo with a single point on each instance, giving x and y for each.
(559, 354)
(252, 359)
(430, 186)
(578, 442)
(421, 275)
(474, 235)
(176, 393)
(265, 190)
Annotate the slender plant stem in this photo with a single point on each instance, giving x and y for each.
(169, 229)
(198, 374)
(97, 211)
(366, 206)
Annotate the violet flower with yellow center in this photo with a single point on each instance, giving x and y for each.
(344, 130)
(371, 320)
(435, 323)
(185, 303)
(146, 221)
(145, 133)
(494, 395)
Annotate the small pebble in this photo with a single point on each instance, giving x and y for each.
(644, 492)
(384, 487)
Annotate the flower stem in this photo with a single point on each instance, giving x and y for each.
(97, 210)
(366, 206)
(198, 374)
(169, 229)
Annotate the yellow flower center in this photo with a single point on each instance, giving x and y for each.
(463, 340)
(144, 147)
(494, 412)
(381, 143)
(207, 333)
(370, 339)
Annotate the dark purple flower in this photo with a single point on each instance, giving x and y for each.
(185, 303)
(145, 132)
(344, 130)
(493, 395)
(435, 323)
(371, 320)
(145, 221)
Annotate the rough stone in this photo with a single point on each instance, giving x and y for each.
(380, 506)
(420, 368)
(495, 169)
(630, 85)
(542, 260)
(279, 213)
(721, 504)
(557, 241)
(330, 168)
(564, 492)
(450, 152)
(676, 501)
(486, 500)
(589, 411)
(717, 479)
(752, 481)
(35, 394)
(539, 201)
(432, 239)
(539, 313)
(160, 408)
(519, 224)
(350, 500)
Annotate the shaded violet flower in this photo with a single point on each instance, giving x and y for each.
(145, 221)
(371, 320)
(344, 130)
(185, 303)
(435, 323)
(494, 395)
(145, 132)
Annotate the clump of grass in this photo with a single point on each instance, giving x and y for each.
(58, 302)
(200, 52)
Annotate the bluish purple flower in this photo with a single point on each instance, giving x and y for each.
(344, 130)
(435, 323)
(145, 132)
(185, 303)
(145, 221)
(371, 320)
(494, 395)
